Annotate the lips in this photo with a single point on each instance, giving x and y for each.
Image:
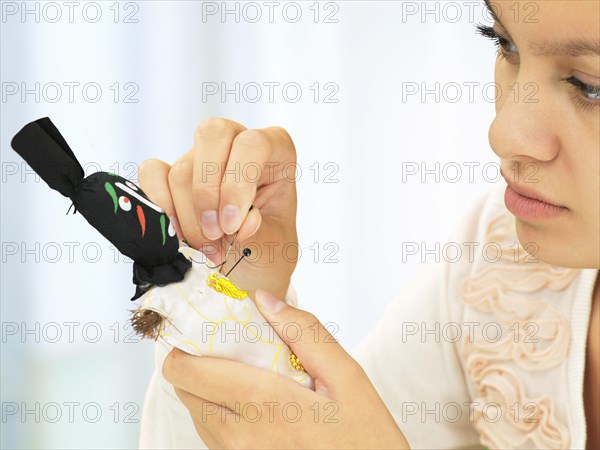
(531, 209)
(529, 205)
(531, 195)
(525, 191)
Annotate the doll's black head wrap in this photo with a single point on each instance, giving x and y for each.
(113, 205)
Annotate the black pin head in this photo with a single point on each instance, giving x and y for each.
(245, 253)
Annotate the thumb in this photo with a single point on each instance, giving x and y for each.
(319, 352)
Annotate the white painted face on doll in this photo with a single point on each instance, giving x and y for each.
(136, 195)
(125, 204)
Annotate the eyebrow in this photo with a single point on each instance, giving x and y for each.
(572, 47)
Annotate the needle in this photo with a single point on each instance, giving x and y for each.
(228, 250)
(230, 247)
(246, 252)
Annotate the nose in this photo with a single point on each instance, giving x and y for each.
(525, 128)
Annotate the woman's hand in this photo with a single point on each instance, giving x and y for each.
(208, 192)
(234, 405)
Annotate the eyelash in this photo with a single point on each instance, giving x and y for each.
(502, 43)
(582, 103)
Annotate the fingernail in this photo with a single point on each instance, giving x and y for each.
(268, 301)
(210, 224)
(231, 218)
(175, 223)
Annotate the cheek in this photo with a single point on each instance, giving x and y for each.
(589, 217)
(580, 152)
(591, 192)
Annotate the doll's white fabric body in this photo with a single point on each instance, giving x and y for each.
(202, 321)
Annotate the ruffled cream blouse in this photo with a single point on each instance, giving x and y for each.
(486, 349)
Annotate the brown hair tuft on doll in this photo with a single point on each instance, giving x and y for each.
(147, 323)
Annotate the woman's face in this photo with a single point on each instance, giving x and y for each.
(547, 125)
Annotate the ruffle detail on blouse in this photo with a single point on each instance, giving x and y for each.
(523, 331)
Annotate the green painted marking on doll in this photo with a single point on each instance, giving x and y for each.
(113, 194)
(162, 228)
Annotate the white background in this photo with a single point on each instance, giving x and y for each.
(370, 52)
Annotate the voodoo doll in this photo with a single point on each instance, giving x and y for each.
(180, 297)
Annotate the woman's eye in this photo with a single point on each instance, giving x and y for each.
(588, 96)
(507, 48)
(592, 93)
(124, 203)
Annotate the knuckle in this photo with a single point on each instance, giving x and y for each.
(355, 370)
(215, 126)
(309, 318)
(180, 173)
(285, 139)
(253, 138)
(148, 170)
(202, 191)
(304, 320)
(233, 189)
(283, 133)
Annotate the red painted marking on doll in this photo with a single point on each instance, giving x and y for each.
(142, 218)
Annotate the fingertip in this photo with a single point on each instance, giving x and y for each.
(149, 169)
(230, 218)
(176, 351)
(176, 355)
(209, 223)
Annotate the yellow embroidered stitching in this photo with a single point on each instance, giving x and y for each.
(224, 286)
